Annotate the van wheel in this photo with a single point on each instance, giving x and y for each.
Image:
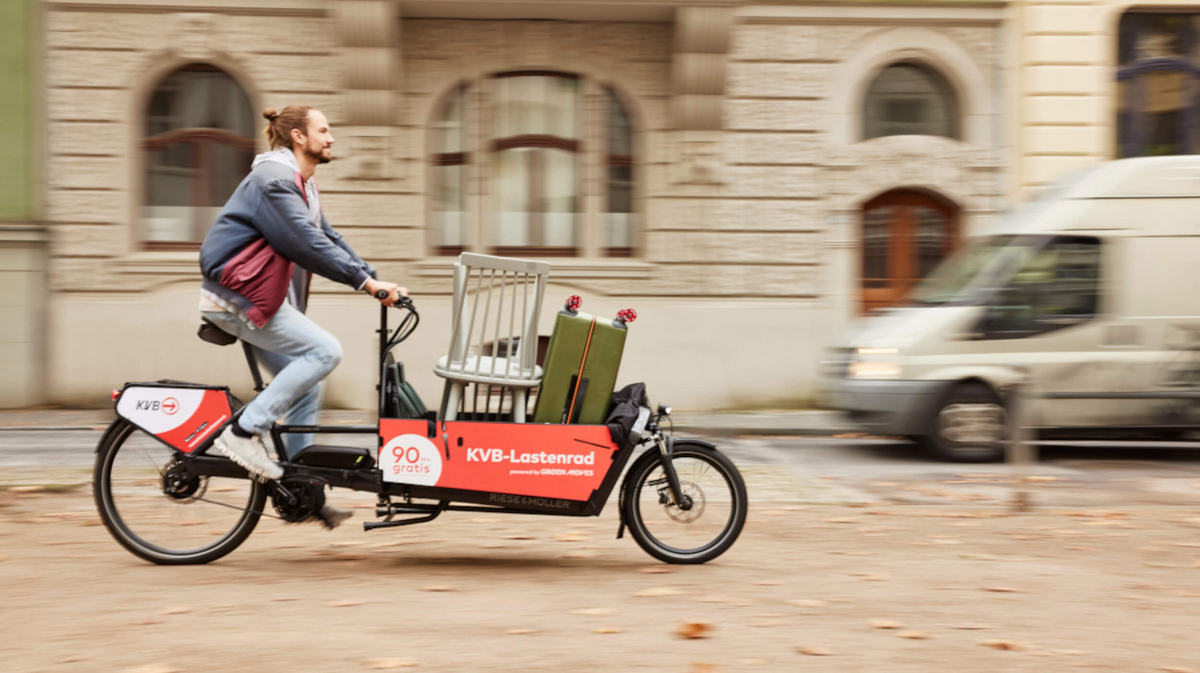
(970, 426)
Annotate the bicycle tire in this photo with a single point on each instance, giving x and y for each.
(106, 451)
(635, 481)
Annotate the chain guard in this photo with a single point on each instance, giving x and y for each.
(309, 494)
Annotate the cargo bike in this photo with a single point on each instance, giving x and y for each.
(168, 497)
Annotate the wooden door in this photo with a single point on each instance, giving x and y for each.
(905, 234)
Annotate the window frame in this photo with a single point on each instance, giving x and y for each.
(948, 89)
(592, 162)
(199, 139)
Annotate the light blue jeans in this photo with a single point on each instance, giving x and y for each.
(298, 354)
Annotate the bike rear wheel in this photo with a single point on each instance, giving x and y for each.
(152, 509)
(708, 527)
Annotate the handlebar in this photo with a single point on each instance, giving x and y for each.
(402, 302)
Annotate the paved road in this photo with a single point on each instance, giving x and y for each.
(808, 469)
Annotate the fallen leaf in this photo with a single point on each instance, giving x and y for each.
(521, 632)
(814, 651)
(971, 627)
(343, 604)
(1006, 645)
(885, 624)
(1176, 669)
(693, 630)
(756, 662)
(390, 663)
(579, 553)
(703, 667)
(3, 557)
(766, 583)
(29, 489)
(438, 587)
(570, 537)
(519, 537)
(1041, 478)
(177, 610)
(285, 599)
(913, 635)
(658, 591)
(842, 519)
(71, 659)
(349, 556)
(607, 629)
(592, 612)
(1004, 590)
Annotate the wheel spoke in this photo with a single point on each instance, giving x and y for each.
(160, 512)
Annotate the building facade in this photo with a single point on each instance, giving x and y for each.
(749, 177)
(22, 232)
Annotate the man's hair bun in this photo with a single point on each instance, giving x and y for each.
(270, 114)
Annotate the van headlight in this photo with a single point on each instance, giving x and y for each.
(875, 363)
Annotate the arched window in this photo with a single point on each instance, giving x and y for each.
(199, 143)
(910, 99)
(619, 236)
(1158, 84)
(534, 129)
(535, 161)
(905, 235)
(448, 188)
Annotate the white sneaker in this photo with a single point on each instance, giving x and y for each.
(331, 517)
(250, 453)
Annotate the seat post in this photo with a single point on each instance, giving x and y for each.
(253, 362)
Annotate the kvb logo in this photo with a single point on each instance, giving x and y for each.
(411, 459)
(170, 406)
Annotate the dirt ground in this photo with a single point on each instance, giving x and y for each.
(807, 587)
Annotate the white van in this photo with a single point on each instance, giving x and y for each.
(1092, 291)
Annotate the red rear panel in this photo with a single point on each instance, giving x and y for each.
(530, 459)
(181, 417)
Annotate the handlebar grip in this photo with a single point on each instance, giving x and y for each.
(382, 294)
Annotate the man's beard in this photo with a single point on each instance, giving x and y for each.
(318, 155)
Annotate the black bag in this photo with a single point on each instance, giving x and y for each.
(400, 398)
(627, 404)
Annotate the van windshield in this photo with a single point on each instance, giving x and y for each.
(977, 266)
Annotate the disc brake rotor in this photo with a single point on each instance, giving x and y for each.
(680, 515)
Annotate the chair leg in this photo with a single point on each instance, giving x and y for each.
(518, 408)
(450, 397)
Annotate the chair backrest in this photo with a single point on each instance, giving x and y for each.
(510, 292)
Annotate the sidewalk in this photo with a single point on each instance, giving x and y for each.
(810, 423)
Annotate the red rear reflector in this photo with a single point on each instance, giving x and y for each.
(574, 302)
(627, 315)
(115, 395)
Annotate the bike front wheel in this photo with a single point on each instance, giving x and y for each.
(712, 517)
(154, 510)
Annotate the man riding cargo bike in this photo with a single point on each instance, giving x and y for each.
(553, 437)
